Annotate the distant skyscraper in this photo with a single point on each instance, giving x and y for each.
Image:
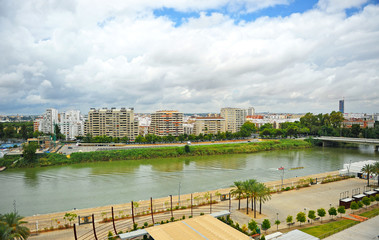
(342, 106)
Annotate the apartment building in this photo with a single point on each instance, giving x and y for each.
(112, 122)
(71, 124)
(209, 125)
(234, 118)
(164, 123)
(48, 121)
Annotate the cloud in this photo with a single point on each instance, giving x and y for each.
(55, 54)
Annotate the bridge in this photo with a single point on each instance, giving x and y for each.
(366, 141)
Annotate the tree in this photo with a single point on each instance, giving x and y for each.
(252, 225)
(277, 222)
(266, 224)
(321, 213)
(376, 170)
(354, 206)
(11, 227)
(29, 152)
(341, 210)
(312, 215)
(300, 217)
(264, 194)
(366, 201)
(139, 139)
(355, 130)
(247, 129)
(336, 119)
(237, 191)
(289, 220)
(70, 217)
(332, 212)
(368, 169)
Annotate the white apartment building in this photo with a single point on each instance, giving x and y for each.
(209, 125)
(234, 118)
(166, 122)
(188, 128)
(112, 122)
(49, 119)
(71, 124)
(250, 111)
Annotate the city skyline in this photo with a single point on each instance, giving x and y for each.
(285, 56)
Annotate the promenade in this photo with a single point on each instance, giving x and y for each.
(280, 206)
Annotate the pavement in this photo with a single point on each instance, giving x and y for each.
(279, 207)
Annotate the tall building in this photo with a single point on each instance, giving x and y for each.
(342, 106)
(164, 123)
(71, 124)
(112, 122)
(250, 111)
(234, 118)
(207, 125)
(49, 119)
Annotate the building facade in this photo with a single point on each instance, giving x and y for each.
(209, 125)
(342, 106)
(112, 122)
(234, 118)
(164, 123)
(49, 119)
(71, 124)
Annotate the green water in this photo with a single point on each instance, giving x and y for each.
(53, 189)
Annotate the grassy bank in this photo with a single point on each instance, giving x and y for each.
(51, 159)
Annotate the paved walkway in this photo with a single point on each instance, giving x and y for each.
(281, 205)
(364, 230)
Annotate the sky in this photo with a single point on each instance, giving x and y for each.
(189, 55)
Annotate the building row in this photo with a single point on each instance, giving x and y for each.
(124, 122)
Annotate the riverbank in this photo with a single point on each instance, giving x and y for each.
(51, 159)
(54, 218)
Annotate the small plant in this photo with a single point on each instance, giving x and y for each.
(135, 225)
(277, 222)
(201, 214)
(312, 215)
(289, 220)
(266, 224)
(341, 210)
(354, 206)
(332, 212)
(172, 219)
(300, 217)
(162, 222)
(360, 204)
(366, 201)
(145, 224)
(190, 216)
(184, 217)
(321, 213)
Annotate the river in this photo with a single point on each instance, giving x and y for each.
(63, 188)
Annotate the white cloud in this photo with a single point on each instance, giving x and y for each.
(56, 53)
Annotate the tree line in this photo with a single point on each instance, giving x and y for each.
(319, 125)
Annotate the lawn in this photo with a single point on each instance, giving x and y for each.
(321, 231)
(371, 213)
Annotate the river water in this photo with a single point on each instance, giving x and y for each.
(63, 188)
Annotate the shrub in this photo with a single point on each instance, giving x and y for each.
(354, 206)
(172, 219)
(145, 224)
(366, 201)
(332, 212)
(360, 204)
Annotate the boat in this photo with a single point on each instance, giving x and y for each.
(2, 168)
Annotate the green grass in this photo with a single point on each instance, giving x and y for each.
(371, 213)
(51, 159)
(322, 231)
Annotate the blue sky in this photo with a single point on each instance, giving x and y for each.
(191, 56)
(278, 10)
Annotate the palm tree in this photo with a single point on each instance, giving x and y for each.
(250, 187)
(376, 170)
(264, 194)
(10, 227)
(238, 191)
(368, 169)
